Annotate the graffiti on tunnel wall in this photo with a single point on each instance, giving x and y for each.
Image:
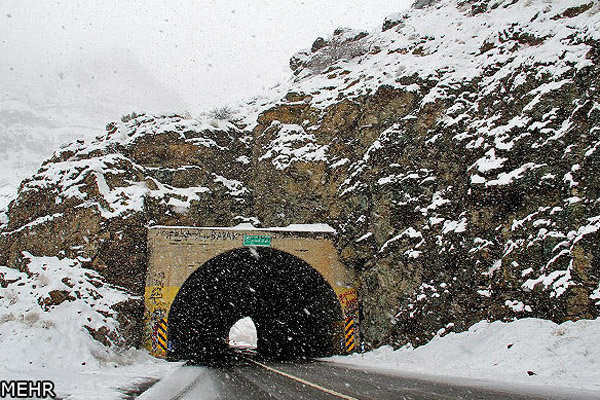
(158, 300)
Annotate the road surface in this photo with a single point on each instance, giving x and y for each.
(323, 380)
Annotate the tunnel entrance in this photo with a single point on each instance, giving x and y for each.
(296, 312)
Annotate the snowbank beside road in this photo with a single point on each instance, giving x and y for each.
(105, 381)
(526, 351)
(47, 318)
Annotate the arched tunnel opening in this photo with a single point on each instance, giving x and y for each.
(296, 312)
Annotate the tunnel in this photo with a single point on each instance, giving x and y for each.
(296, 312)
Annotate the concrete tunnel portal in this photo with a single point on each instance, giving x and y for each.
(201, 281)
(294, 309)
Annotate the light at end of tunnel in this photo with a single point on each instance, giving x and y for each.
(243, 334)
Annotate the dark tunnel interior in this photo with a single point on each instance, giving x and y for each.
(296, 312)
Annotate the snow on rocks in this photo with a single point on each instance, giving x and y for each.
(437, 42)
(293, 144)
(54, 293)
(487, 158)
(115, 173)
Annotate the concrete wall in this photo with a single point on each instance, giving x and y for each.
(176, 252)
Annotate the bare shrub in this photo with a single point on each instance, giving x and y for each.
(221, 113)
(338, 48)
(129, 117)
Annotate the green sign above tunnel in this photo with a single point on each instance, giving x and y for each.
(257, 240)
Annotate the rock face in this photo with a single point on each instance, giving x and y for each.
(460, 166)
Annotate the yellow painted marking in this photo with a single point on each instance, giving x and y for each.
(349, 336)
(350, 346)
(305, 382)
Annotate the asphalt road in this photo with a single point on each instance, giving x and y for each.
(323, 380)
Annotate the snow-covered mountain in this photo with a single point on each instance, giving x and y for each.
(454, 150)
(73, 101)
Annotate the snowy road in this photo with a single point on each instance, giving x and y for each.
(322, 380)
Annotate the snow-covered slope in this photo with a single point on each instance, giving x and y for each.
(528, 351)
(58, 323)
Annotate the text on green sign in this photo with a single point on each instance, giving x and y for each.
(257, 240)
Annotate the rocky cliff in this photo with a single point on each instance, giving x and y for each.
(455, 151)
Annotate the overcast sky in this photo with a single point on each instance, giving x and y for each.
(200, 54)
